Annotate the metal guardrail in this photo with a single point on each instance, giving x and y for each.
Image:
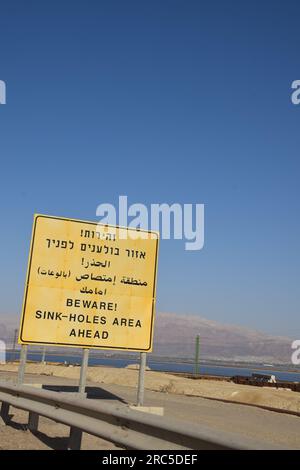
(118, 424)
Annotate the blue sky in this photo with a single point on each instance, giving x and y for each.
(162, 101)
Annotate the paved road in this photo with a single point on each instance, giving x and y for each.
(266, 426)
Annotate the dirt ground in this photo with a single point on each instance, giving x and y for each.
(50, 435)
(266, 427)
(283, 399)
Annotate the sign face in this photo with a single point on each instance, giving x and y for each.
(89, 285)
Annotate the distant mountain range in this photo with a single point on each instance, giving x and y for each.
(174, 336)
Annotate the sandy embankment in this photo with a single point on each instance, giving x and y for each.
(161, 382)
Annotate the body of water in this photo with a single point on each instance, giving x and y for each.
(218, 370)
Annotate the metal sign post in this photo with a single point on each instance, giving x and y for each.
(83, 371)
(141, 384)
(22, 365)
(197, 349)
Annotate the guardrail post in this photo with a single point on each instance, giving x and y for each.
(75, 439)
(23, 357)
(4, 413)
(33, 421)
(141, 384)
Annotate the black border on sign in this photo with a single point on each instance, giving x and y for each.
(87, 345)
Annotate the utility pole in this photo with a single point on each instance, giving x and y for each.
(14, 344)
(43, 355)
(197, 350)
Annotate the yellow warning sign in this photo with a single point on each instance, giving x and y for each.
(89, 285)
